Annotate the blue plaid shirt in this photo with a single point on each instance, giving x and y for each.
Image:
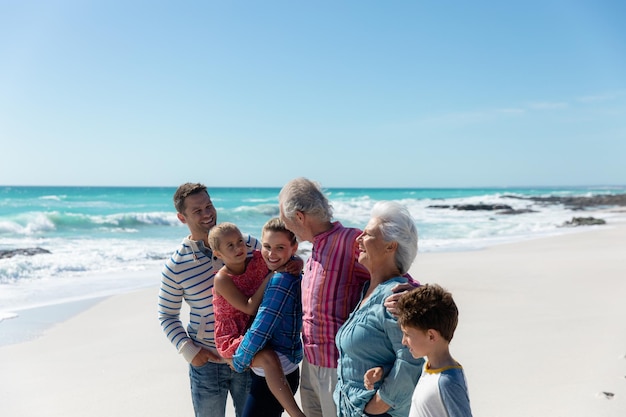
(278, 322)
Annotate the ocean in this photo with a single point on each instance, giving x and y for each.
(107, 240)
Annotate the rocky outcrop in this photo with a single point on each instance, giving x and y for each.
(573, 203)
(580, 202)
(498, 208)
(472, 207)
(518, 211)
(583, 221)
(9, 253)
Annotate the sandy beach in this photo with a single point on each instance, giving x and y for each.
(542, 332)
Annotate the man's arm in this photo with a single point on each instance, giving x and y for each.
(169, 306)
(391, 302)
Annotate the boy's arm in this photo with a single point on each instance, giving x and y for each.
(376, 406)
(372, 376)
(397, 387)
(225, 287)
(454, 396)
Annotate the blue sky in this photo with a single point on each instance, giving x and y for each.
(349, 93)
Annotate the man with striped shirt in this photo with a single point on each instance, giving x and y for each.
(188, 276)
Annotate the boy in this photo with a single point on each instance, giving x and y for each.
(428, 317)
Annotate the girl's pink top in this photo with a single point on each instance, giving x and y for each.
(230, 323)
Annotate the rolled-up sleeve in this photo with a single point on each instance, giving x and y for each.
(400, 382)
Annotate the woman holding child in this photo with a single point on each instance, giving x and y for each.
(267, 340)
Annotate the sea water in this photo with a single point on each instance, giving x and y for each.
(105, 240)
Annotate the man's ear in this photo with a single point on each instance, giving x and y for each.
(181, 217)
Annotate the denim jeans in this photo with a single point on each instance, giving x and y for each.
(261, 402)
(210, 385)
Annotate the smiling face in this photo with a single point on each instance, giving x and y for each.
(372, 246)
(417, 340)
(199, 215)
(277, 248)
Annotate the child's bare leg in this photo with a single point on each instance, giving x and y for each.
(276, 381)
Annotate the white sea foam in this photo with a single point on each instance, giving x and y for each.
(5, 315)
(53, 197)
(102, 241)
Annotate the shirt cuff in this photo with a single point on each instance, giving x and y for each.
(189, 350)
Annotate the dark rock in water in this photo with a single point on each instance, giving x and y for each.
(500, 208)
(473, 207)
(519, 211)
(9, 253)
(579, 203)
(584, 221)
(572, 203)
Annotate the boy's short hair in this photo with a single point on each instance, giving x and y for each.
(429, 307)
(184, 191)
(218, 231)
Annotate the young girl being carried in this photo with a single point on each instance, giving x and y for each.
(238, 292)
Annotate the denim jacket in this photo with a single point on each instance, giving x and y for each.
(372, 337)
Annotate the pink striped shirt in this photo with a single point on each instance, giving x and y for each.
(331, 287)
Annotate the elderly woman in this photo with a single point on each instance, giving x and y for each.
(371, 337)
